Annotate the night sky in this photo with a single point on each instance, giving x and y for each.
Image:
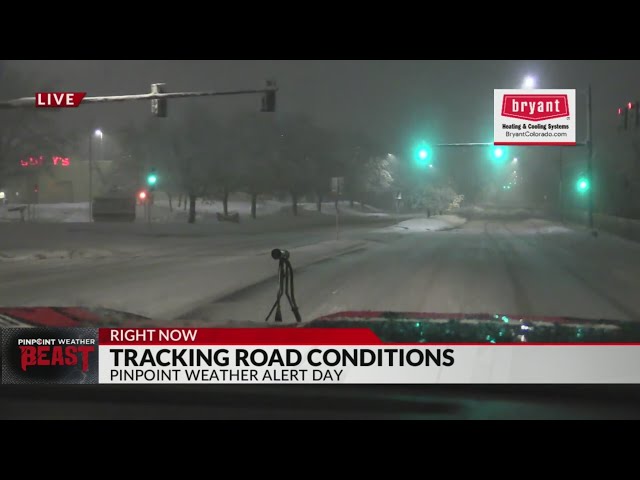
(392, 100)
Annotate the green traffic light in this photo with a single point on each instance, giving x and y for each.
(582, 185)
(498, 154)
(422, 155)
(152, 179)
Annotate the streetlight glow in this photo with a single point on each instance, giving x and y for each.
(529, 82)
(98, 133)
(515, 160)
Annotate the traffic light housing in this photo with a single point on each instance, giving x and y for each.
(634, 113)
(158, 105)
(623, 117)
(152, 179)
(269, 97)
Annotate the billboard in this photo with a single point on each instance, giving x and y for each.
(534, 117)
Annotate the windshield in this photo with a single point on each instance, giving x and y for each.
(381, 183)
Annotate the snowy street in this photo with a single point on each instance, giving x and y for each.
(215, 273)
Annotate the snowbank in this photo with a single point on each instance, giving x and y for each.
(80, 253)
(539, 225)
(205, 211)
(344, 208)
(491, 211)
(243, 207)
(53, 212)
(428, 224)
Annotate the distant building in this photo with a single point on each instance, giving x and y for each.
(56, 179)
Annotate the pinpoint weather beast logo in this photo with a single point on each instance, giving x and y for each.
(535, 107)
(50, 355)
(46, 352)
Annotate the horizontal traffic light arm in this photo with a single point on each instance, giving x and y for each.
(491, 144)
(27, 102)
(464, 145)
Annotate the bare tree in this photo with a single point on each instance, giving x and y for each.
(362, 165)
(325, 164)
(253, 148)
(294, 162)
(179, 149)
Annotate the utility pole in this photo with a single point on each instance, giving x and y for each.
(560, 188)
(589, 159)
(91, 176)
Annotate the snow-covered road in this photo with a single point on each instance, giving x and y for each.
(513, 267)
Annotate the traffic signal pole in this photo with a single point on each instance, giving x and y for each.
(589, 160)
(91, 176)
(269, 91)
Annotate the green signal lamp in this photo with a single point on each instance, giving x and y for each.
(582, 185)
(423, 155)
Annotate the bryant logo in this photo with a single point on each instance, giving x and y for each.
(535, 107)
(55, 355)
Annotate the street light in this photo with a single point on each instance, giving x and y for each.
(529, 82)
(515, 160)
(96, 133)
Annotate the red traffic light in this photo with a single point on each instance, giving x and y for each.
(630, 105)
(620, 111)
(142, 195)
